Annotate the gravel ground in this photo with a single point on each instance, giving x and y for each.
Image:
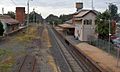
(33, 42)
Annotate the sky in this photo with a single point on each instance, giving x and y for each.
(56, 7)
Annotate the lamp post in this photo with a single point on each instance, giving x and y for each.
(109, 36)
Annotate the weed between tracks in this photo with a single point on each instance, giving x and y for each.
(28, 35)
(46, 38)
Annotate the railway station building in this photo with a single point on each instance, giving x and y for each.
(84, 21)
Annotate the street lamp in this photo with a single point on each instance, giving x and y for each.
(109, 36)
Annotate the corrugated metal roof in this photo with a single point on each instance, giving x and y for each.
(10, 21)
(83, 12)
(4, 17)
(66, 26)
(7, 19)
(69, 21)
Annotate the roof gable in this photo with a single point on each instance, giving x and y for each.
(83, 13)
(10, 21)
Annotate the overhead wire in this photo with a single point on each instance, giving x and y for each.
(13, 2)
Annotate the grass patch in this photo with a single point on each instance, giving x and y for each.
(28, 35)
(5, 67)
(2, 52)
(6, 60)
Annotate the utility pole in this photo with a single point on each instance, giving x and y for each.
(92, 5)
(109, 35)
(118, 55)
(2, 11)
(34, 15)
(28, 12)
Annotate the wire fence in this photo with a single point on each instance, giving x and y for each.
(104, 45)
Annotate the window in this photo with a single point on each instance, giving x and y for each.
(87, 22)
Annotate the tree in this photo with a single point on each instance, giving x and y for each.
(113, 9)
(35, 17)
(102, 23)
(104, 19)
(53, 19)
(64, 18)
(11, 14)
(58, 20)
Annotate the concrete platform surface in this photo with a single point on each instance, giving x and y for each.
(103, 59)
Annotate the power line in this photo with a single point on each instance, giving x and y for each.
(3, 2)
(92, 5)
(13, 2)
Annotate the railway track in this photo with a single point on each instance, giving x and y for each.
(60, 59)
(85, 64)
(26, 64)
(76, 61)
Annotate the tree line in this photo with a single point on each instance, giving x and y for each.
(53, 19)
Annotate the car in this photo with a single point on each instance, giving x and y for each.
(116, 42)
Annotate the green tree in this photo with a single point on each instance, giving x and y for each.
(11, 14)
(102, 23)
(35, 17)
(58, 20)
(53, 19)
(113, 9)
(104, 19)
(64, 18)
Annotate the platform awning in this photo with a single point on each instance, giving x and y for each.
(66, 26)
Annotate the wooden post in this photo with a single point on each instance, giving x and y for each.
(118, 55)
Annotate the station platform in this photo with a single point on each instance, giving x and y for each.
(102, 58)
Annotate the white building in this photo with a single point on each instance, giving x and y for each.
(84, 21)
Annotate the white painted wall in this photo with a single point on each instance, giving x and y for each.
(78, 31)
(85, 30)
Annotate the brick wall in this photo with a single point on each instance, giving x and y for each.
(20, 14)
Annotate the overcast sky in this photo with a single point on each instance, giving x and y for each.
(57, 7)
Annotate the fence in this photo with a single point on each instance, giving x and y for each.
(104, 45)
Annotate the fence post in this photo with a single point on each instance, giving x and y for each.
(98, 43)
(118, 55)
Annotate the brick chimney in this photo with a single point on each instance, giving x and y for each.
(20, 14)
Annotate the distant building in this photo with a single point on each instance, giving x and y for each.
(9, 24)
(20, 14)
